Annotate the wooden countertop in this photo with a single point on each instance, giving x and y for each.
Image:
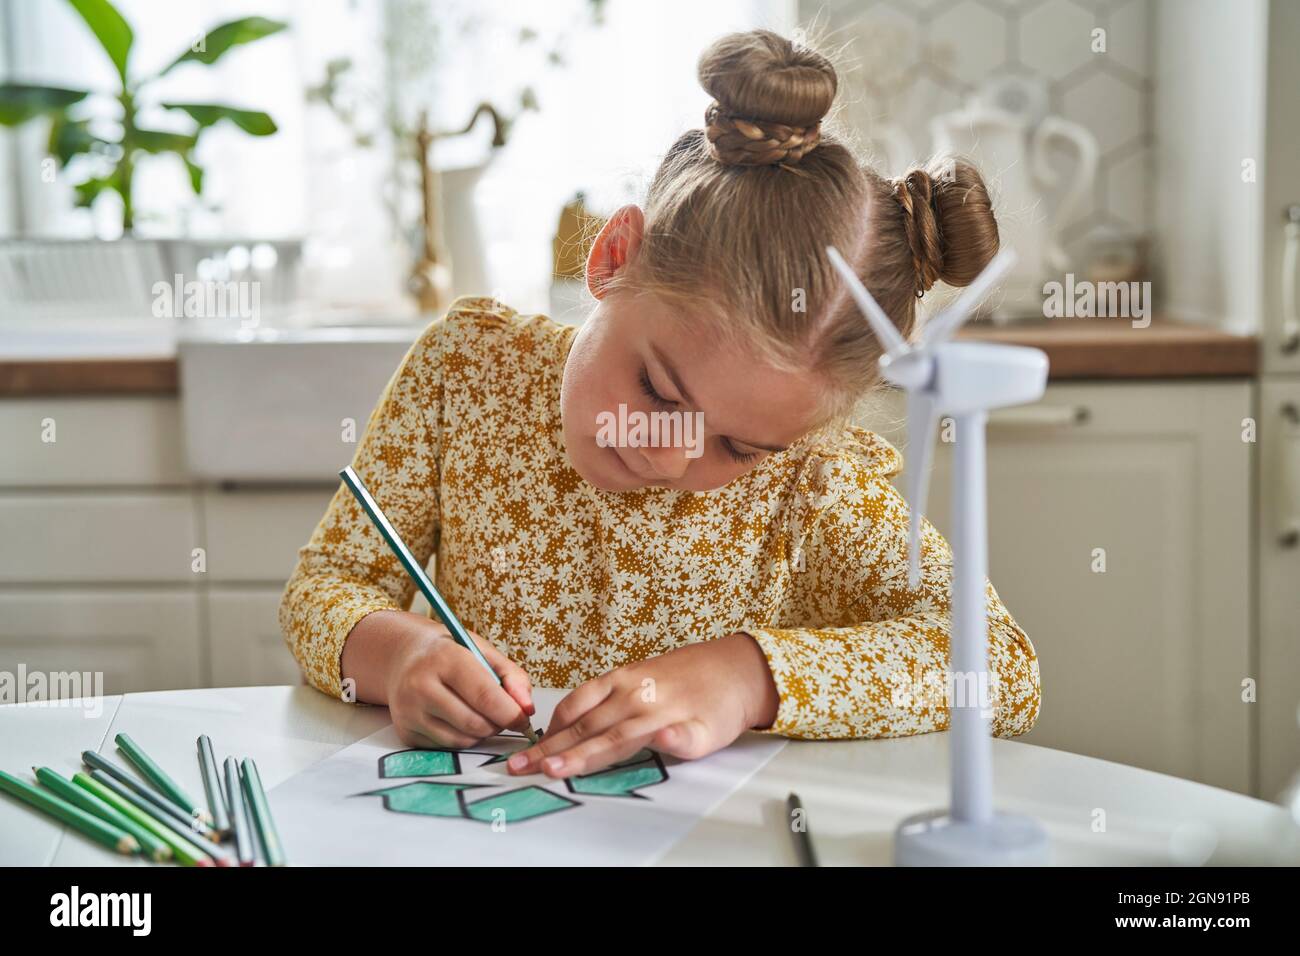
(1113, 348)
(1076, 348)
(90, 376)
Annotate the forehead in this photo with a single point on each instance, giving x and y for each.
(743, 394)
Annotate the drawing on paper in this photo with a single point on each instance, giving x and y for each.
(462, 799)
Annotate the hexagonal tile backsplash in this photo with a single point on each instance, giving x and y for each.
(905, 61)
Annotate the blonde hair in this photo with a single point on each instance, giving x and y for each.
(739, 214)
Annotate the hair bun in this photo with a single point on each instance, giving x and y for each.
(948, 221)
(769, 98)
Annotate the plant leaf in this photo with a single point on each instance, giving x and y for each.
(220, 39)
(196, 175)
(253, 122)
(69, 138)
(88, 191)
(110, 28)
(158, 141)
(20, 102)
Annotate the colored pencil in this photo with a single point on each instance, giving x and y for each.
(803, 845)
(418, 574)
(55, 806)
(186, 851)
(176, 823)
(158, 777)
(102, 770)
(152, 846)
(262, 821)
(212, 787)
(239, 815)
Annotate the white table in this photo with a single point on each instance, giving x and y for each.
(854, 792)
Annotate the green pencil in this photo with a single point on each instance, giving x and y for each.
(178, 826)
(155, 775)
(104, 770)
(186, 852)
(262, 820)
(239, 815)
(110, 836)
(212, 787)
(418, 574)
(154, 847)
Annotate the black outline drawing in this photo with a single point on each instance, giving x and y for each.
(455, 759)
(386, 793)
(532, 786)
(655, 758)
(439, 780)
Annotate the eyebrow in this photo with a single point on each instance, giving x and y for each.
(677, 383)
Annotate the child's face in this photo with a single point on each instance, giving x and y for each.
(632, 352)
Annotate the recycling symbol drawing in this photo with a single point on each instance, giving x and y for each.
(457, 783)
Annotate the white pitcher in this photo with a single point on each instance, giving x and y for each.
(1005, 131)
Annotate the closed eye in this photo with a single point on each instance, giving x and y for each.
(740, 456)
(648, 387)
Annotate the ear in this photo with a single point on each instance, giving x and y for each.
(614, 248)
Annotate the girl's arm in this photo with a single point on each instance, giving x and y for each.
(875, 664)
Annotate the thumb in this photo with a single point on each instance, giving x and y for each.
(688, 739)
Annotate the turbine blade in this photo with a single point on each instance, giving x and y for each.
(885, 330)
(944, 325)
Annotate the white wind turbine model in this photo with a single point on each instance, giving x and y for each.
(964, 380)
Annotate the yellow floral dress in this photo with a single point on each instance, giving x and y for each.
(807, 552)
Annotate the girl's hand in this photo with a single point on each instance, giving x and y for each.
(440, 696)
(686, 703)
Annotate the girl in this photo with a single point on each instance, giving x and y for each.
(751, 579)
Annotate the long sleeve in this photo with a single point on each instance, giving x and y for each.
(346, 570)
(876, 664)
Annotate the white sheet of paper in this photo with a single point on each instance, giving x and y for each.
(324, 818)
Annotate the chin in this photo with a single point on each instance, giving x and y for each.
(595, 468)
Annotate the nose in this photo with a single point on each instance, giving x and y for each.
(665, 463)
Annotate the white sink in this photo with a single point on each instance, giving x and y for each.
(271, 404)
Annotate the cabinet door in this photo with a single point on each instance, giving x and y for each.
(101, 537)
(1141, 662)
(1279, 585)
(135, 639)
(53, 441)
(253, 534)
(246, 646)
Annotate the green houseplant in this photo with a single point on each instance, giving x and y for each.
(113, 149)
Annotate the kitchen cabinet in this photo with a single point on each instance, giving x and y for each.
(244, 642)
(139, 638)
(1142, 662)
(1279, 583)
(115, 561)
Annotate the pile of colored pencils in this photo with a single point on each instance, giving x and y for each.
(153, 815)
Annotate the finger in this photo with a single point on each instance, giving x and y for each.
(618, 742)
(590, 724)
(513, 677)
(433, 733)
(448, 706)
(578, 702)
(479, 691)
(687, 739)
